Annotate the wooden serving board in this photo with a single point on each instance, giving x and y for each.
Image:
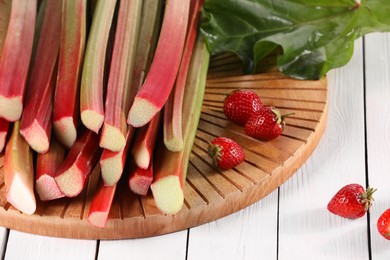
(209, 194)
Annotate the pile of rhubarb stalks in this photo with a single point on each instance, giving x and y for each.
(97, 84)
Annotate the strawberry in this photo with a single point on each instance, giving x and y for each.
(265, 124)
(225, 153)
(383, 224)
(351, 201)
(240, 105)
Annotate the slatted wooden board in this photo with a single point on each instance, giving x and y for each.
(209, 195)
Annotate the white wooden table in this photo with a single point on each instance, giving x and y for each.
(292, 222)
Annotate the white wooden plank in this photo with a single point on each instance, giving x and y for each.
(27, 246)
(377, 51)
(3, 239)
(248, 234)
(306, 229)
(165, 247)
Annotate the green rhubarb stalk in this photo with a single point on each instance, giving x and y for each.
(171, 167)
(161, 77)
(173, 135)
(91, 91)
(36, 119)
(66, 98)
(19, 173)
(117, 105)
(5, 11)
(15, 58)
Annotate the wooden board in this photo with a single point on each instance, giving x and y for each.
(209, 195)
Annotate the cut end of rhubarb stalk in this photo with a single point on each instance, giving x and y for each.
(141, 112)
(92, 120)
(65, 131)
(70, 182)
(20, 197)
(11, 108)
(142, 157)
(111, 170)
(36, 137)
(112, 138)
(174, 145)
(140, 184)
(98, 219)
(47, 188)
(168, 194)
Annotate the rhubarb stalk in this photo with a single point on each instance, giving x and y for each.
(91, 91)
(19, 173)
(173, 135)
(145, 141)
(113, 163)
(74, 171)
(47, 166)
(163, 71)
(66, 98)
(171, 167)
(101, 204)
(117, 105)
(4, 124)
(5, 11)
(36, 118)
(140, 179)
(15, 58)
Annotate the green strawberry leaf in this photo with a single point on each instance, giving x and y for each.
(316, 36)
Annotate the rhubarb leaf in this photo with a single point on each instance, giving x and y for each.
(315, 36)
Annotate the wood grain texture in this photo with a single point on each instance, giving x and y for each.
(338, 160)
(165, 247)
(29, 246)
(377, 54)
(247, 234)
(209, 194)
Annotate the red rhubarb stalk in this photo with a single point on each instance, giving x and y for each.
(173, 133)
(113, 163)
(4, 124)
(171, 167)
(140, 179)
(91, 91)
(15, 58)
(36, 119)
(161, 77)
(66, 98)
(117, 105)
(46, 170)
(101, 204)
(19, 173)
(145, 141)
(74, 171)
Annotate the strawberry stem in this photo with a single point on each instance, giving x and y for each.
(367, 198)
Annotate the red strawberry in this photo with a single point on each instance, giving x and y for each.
(352, 201)
(225, 153)
(265, 124)
(383, 224)
(240, 105)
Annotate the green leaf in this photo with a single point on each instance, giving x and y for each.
(315, 35)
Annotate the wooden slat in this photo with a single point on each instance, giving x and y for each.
(172, 246)
(248, 234)
(337, 161)
(27, 246)
(377, 57)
